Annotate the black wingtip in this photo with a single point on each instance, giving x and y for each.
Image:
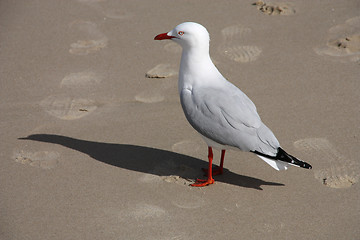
(285, 157)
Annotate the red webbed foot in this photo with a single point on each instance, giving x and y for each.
(203, 182)
(217, 171)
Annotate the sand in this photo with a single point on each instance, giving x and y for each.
(93, 149)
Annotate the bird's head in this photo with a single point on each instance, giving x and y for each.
(188, 35)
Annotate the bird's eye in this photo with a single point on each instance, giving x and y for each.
(181, 33)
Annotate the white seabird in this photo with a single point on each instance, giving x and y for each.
(223, 115)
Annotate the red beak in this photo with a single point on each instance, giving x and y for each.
(163, 36)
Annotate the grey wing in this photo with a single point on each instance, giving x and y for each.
(229, 117)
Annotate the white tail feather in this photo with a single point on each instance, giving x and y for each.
(278, 165)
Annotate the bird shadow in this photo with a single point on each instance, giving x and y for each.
(147, 160)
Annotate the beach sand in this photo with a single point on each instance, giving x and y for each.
(95, 144)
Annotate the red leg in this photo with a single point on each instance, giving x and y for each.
(222, 161)
(210, 180)
(218, 170)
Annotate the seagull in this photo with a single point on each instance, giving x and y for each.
(223, 115)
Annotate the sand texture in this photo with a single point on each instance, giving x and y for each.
(94, 143)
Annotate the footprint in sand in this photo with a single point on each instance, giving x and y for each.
(162, 70)
(153, 96)
(93, 41)
(151, 179)
(41, 159)
(183, 174)
(80, 79)
(275, 8)
(177, 179)
(231, 47)
(343, 41)
(330, 166)
(180, 173)
(156, 95)
(68, 108)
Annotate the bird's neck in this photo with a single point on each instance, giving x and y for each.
(195, 65)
